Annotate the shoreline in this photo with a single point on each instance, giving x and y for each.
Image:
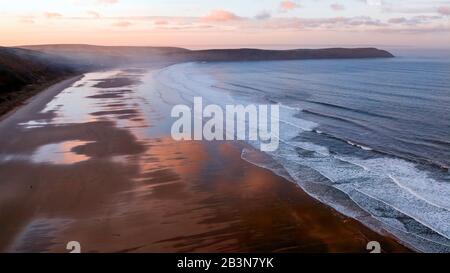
(167, 197)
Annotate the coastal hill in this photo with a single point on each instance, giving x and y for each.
(24, 72)
(20, 67)
(247, 54)
(106, 56)
(115, 55)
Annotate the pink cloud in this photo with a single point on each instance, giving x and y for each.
(160, 22)
(288, 5)
(51, 15)
(444, 10)
(122, 24)
(337, 7)
(220, 16)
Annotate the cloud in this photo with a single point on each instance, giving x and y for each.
(220, 16)
(444, 10)
(52, 15)
(398, 20)
(186, 27)
(336, 23)
(337, 7)
(408, 9)
(413, 21)
(160, 22)
(223, 20)
(93, 14)
(122, 24)
(288, 5)
(263, 15)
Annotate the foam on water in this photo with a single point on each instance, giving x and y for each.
(360, 146)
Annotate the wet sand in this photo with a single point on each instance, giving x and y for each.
(115, 189)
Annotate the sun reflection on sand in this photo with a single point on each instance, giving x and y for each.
(59, 153)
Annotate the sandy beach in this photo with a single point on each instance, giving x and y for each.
(105, 173)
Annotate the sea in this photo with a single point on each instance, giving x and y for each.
(367, 137)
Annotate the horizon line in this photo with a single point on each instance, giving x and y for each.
(250, 46)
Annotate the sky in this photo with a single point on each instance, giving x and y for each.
(227, 23)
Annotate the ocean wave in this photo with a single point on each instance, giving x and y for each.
(354, 110)
(341, 119)
(381, 189)
(359, 146)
